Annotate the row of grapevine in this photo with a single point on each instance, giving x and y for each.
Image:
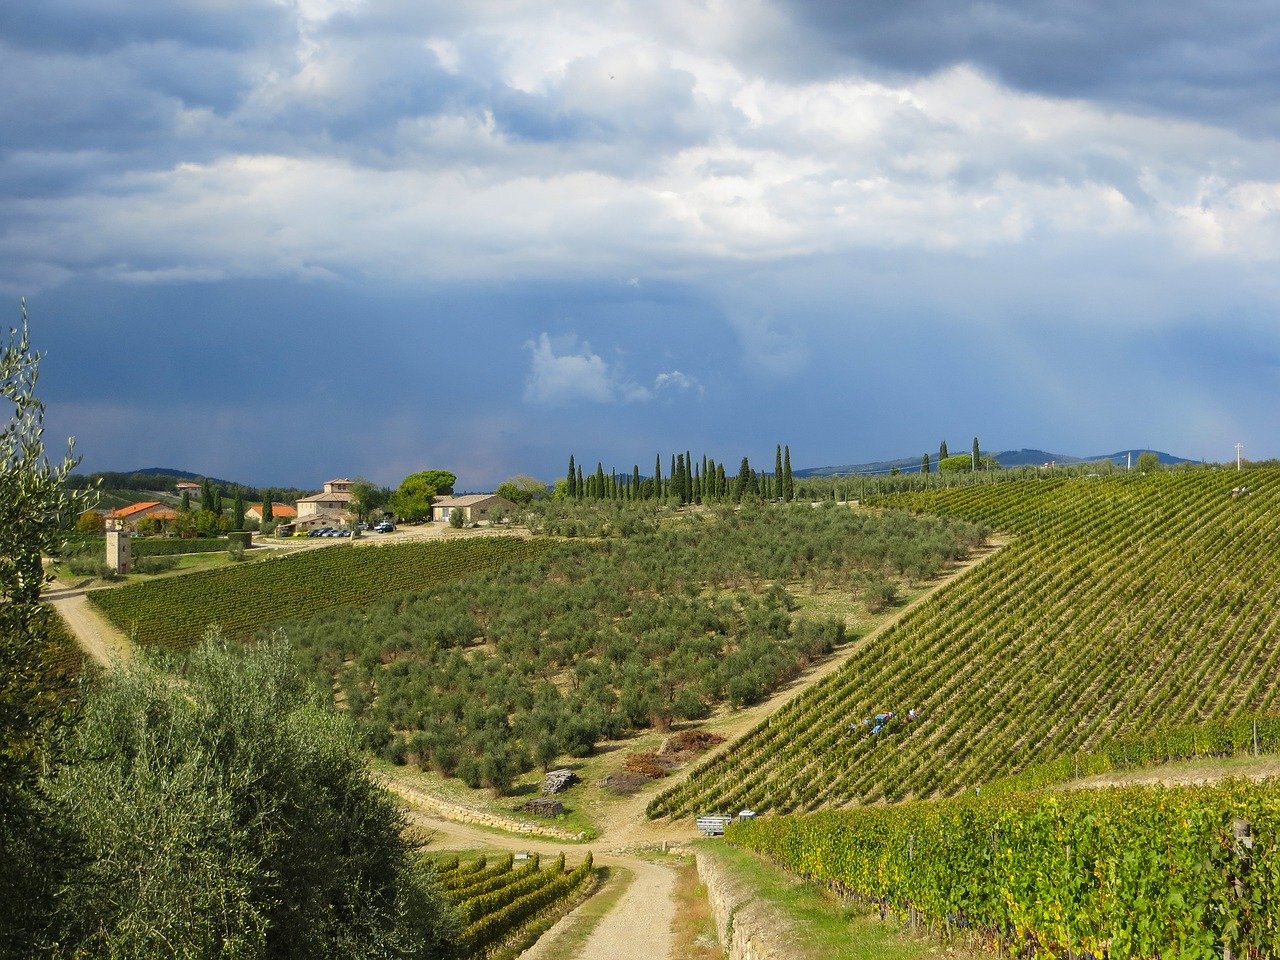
(175, 611)
(1248, 733)
(496, 902)
(1122, 605)
(1120, 873)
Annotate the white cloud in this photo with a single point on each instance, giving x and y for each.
(575, 373)
(674, 380)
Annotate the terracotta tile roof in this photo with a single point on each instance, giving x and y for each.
(278, 510)
(123, 512)
(467, 500)
(336, 496)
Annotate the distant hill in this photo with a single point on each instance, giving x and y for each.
(1007, 458)
(120, 487)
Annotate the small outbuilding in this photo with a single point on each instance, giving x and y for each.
(474, 507)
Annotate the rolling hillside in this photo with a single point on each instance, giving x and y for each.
(1121, 605)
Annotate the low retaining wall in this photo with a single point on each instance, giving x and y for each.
(748, 929)
(460, 814)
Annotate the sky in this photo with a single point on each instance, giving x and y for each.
(278, 242)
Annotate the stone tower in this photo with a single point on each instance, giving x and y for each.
(118, 554)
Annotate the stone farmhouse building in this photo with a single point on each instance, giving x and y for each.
(279, 511)
(334, 499)
(474, 506)
(126, 518)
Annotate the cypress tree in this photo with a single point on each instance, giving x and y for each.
(688, 477)
(582, 488)
(672, 489)
(572, 478)
(601, 490)
(206, 496)
(777, 465)
(743, 485)
(924, 464)
(268, 511)
(697, 485)
(186, 501)
(217, 503)
(635, 481)
(722, 482)
(975, 454)
(788, 486)
(237, 514)
(657, 477)
(942, 451)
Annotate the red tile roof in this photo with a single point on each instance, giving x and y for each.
(278, 510)
(123, 512)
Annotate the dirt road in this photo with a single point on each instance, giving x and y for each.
(638, 926)
(100, 639)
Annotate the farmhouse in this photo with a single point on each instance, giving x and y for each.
(335, 499)
(279, 511)
(126, 518)
(186, 486)
(474, 506)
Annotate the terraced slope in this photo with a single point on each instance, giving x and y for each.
(1122, 605)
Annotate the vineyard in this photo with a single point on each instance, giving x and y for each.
(175, 612)
(498, 903)
(1122, 605)
(1132, 873)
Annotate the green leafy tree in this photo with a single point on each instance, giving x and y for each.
(522, 489)
(368, 497)
(1148, 461)
(412, 500)
(441, 481)
(230, 815)
(90, 521)
(33, 498)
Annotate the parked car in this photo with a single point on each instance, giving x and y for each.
(385, 527)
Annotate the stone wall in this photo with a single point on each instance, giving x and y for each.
(748, 928)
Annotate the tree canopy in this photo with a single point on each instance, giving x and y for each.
(231, 815)
(412, 501)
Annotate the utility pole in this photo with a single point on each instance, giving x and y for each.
(1239, 447)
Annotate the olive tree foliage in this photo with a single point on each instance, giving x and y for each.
(33, 504)
(224, 813)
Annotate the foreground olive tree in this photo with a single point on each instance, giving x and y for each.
(33, 504)
(224, 813)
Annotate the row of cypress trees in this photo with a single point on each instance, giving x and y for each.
(687, 481)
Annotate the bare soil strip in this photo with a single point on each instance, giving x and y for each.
(96, 636)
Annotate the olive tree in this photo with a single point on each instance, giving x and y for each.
(225, 813)
(33, 505)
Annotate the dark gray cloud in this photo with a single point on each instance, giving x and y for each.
(1215, 62)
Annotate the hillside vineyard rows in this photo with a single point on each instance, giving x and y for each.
(496, 902)
(1122, 605)
(175, 612)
